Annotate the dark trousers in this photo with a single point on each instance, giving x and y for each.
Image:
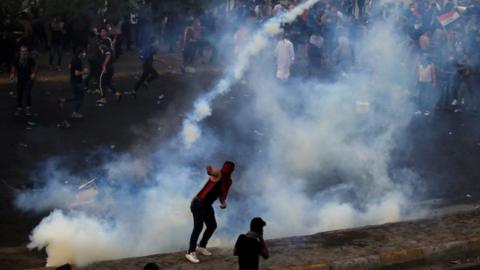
(189, 53)
(149, 74)
(56, 49)
(24, 87)
(202, 213)
(106, 81)
(78, 94)
(424, 95)
(94, 72)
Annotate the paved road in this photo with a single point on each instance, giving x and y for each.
(444, 148)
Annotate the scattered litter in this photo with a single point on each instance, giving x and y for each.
(455, 262)
(258, 133)
(82, 186)
(190, 70)
(112, 146)
(362, 106)
(161, 96)
(64, 124)
(468, 195)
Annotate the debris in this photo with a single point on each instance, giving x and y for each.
(455, 262)
(64, 124)
(82, 186)
(258, 133)
(362, 106)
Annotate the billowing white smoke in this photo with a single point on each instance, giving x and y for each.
(310, 163)
(258, 42)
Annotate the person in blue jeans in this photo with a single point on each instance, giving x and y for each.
(77, 72)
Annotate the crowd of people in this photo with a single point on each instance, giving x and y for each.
(442, 35)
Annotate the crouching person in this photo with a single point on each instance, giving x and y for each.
(250, 246)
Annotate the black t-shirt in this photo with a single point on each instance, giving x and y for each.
(76, 64)
(24, 68)
(248, 249)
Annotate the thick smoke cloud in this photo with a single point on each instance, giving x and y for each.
(309, 159)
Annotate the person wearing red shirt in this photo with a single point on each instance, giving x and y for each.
(216, 187)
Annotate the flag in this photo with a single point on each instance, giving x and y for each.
(448, 18)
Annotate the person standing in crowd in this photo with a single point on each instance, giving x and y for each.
(217, 187)
(107, 71)
(77, 72)
(426, 83)
(188, 46)
(250, 246)
(25, 69)
(285, 57)
(57, 32)
(94, 57)
(149, 73)
(461, 79)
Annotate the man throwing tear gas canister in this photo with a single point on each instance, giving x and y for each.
(216, 187)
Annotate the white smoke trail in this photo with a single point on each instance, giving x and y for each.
(258, 42)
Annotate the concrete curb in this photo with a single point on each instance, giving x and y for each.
(400, 258)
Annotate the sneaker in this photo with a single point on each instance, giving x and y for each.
(454, 102)
(77, 115)
(418, 112)
(192, 257)
(102, 100)
(426, 113)
(457, 110)
(204, 251)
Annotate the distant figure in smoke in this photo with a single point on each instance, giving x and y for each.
(107, 68)
(250, 246)
(77, 72)
(285, 57)
(216, 187)
(25, 69)
(425, 84)
(149, 73)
